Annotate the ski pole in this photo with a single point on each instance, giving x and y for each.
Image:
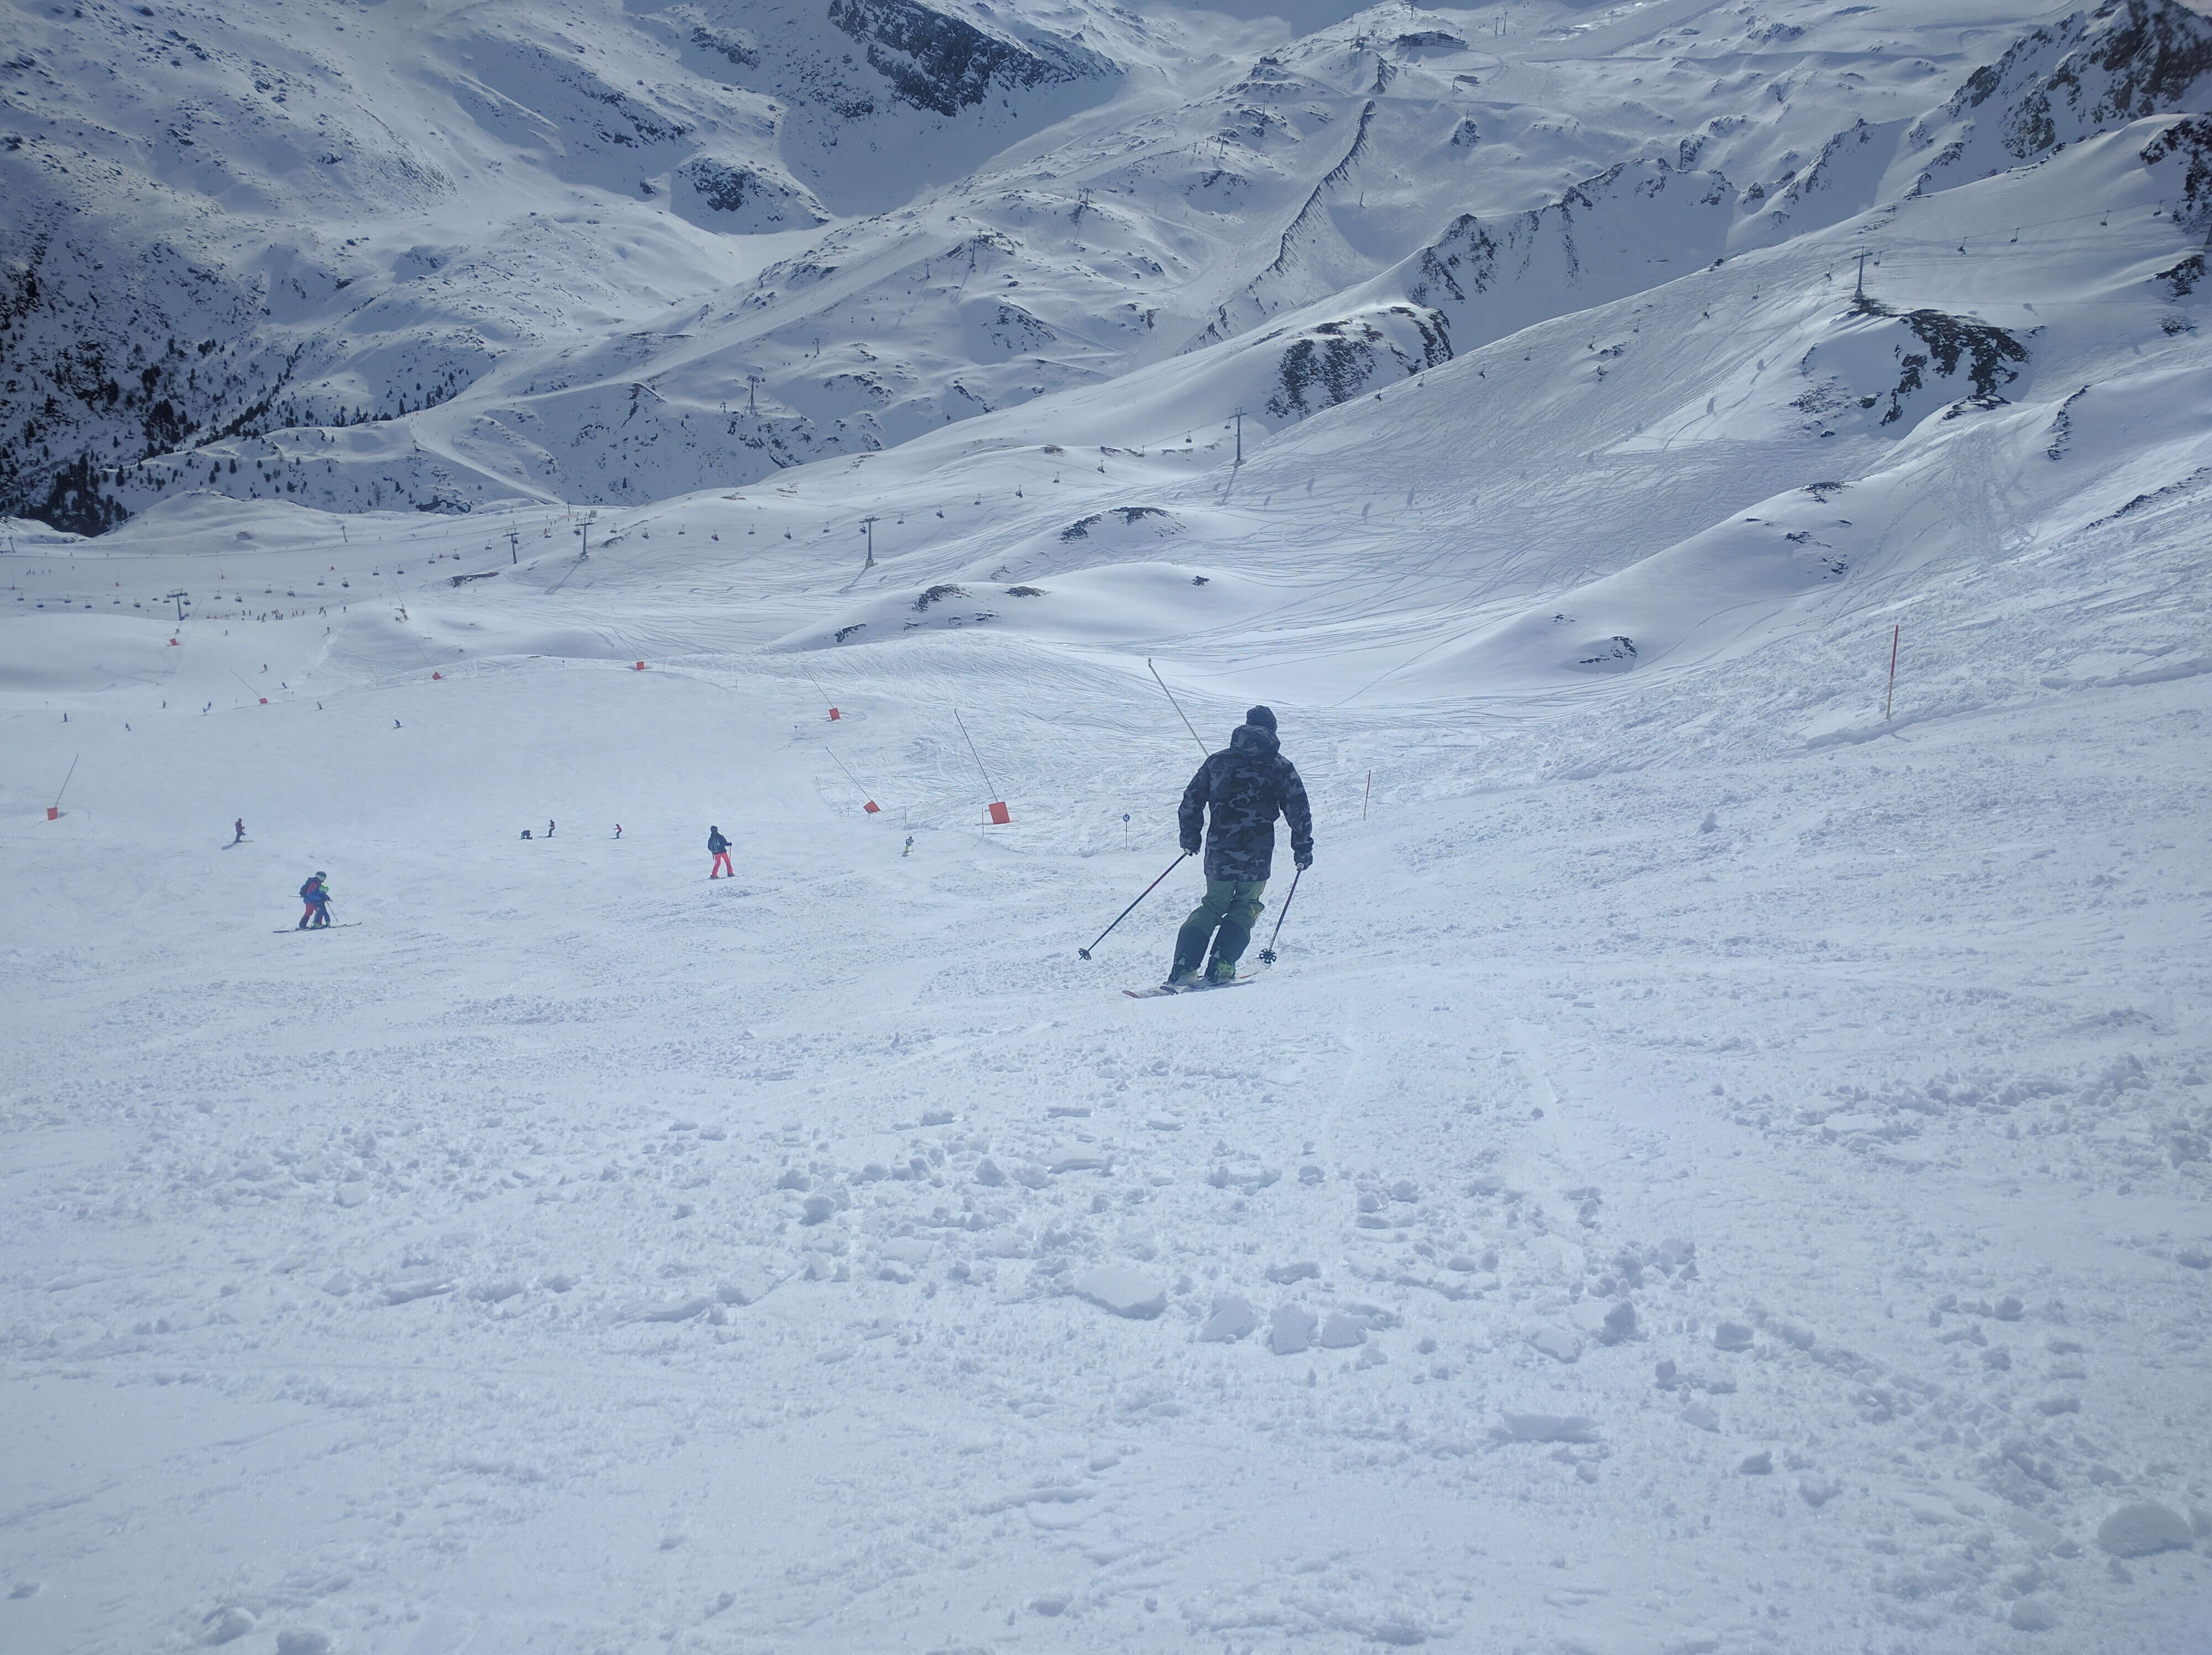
(1267, 954)
(1148, 890)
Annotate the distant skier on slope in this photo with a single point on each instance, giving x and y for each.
(316, 893)
(237, 831)
(720, 849)
(1235, 797)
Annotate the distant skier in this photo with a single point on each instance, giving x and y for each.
(549, 828)
(617, 830)
(720, 849)
(909, 851)
(1243, 790)
(316, 893)
(237, 831)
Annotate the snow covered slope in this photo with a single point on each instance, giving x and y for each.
(1712, 1166)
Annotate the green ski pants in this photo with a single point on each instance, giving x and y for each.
(1224, 917)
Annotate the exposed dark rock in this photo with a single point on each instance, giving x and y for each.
(2123, 61)
(937, 61)
(1950, 340)
(1130, 515)
(753, 201)
(2191, 140)
(2181, 281)
(1337, 360)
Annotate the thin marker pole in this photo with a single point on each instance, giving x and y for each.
(1890, 697)
(1173, 703)
(977, 757)
(65, 781)
(1363, 798)
(849, 776)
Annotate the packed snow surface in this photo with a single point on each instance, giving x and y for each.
(1720, 1162)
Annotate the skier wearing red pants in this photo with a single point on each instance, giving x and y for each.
(721, 848)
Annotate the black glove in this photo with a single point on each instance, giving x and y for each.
(1190, 847)
(1304, 858)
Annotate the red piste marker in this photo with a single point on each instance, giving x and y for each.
(870, 808)
(999, 814)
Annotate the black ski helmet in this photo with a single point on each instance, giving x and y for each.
(1262, 716)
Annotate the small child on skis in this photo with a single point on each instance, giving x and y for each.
(721, 848)
(316, 893)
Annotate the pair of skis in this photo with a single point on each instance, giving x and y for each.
(1198, 988)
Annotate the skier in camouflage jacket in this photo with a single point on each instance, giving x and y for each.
(1234, 799)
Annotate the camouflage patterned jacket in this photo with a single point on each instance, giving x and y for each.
(1245, 788)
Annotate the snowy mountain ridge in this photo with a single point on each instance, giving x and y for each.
(444, 371)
